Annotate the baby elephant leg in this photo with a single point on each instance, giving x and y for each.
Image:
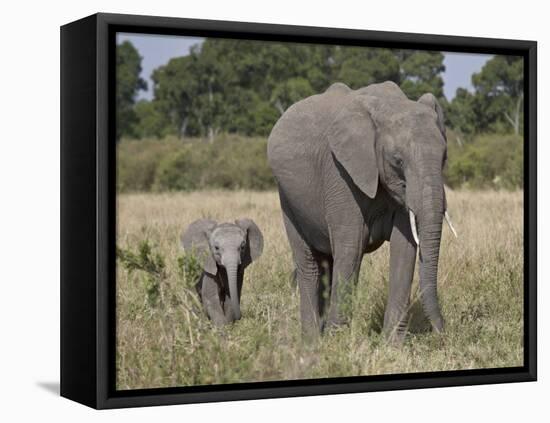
(211, 301)
(228, 310)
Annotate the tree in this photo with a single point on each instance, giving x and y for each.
(240, 86)
(237, 86)
(361, 66)
(461, 113)
(151, 121)
(128, 84)
(289, 92)
(175, 89)
(496, 102)
(499, 91)
(420, 72)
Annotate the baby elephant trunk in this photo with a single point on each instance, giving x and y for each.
(231, 268)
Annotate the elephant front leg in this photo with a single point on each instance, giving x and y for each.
(402, 262)
(211, 301)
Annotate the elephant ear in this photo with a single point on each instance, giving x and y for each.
(352, 137)
(195, 239)
(429, 100)
(255, 240)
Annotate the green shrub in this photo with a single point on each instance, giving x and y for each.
(230, 162)
(150, 263)
(180, 171)
(137, 162)
(235, 162)
(486, 161)
(189, 269)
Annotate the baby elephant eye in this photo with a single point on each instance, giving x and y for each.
(217, 247)
(242, 245)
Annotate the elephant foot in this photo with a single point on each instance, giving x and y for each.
(438, 325)
(395, 329)
(334, 324)
(395, 338)
(310, 335)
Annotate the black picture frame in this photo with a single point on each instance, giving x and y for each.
(88, 210)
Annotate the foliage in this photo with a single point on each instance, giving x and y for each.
(488, 161)
(496, 105)
(128, 68)
(189, 269)
(198, 131)
(461, 113)
(360, 66)
(420, 73)
(137, 162)
(233, 162)
(243, 86)
(151, 264)
(151, 121)
(229, 162)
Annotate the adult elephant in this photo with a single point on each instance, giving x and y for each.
(356, 168)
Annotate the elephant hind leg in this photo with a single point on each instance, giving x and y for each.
(308, 273)
(325, 281)
(347, 250)
(344, 278)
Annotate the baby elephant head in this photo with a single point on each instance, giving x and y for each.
(230, 245)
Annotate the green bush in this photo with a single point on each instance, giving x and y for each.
(230, 162)
(486, 161)
(181, 170)
(137, 162)
(235, 162)
(150, 263)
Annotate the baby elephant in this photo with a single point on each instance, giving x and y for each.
(225, 250)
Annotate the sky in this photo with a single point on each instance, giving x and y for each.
(157, 50)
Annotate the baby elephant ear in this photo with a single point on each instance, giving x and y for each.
(255, 240)
(195, 240)
(429, 100)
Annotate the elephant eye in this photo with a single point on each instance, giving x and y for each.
(399, 162)
(216, 247)
(242, 245)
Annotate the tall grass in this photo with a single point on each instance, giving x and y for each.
(170, 342)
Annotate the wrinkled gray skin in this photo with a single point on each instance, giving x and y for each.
(226, 250)
(349, 167)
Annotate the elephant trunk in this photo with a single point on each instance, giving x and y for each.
(232, 271)
(430, 222)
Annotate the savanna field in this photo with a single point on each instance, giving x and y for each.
(164, 339)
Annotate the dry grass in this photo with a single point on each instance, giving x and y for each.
(173, 344)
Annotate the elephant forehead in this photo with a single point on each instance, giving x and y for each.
(228, 231)
(403, 113)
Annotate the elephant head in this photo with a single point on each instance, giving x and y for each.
(228, 245)
(381, 137)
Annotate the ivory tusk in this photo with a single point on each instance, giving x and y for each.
(412, 220)
(448, 219)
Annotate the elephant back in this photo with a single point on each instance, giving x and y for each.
(387, 90)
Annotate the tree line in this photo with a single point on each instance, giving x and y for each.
(241, 87)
